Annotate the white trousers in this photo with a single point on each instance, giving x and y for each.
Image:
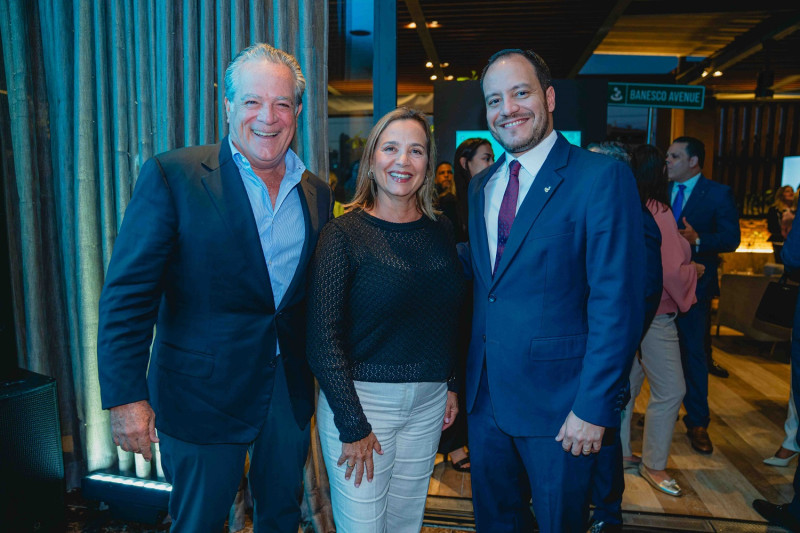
(661, 362)
(407, 420)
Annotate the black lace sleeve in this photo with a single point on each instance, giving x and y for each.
(331, 273)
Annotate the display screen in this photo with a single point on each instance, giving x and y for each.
(574, 137)
(791, 171)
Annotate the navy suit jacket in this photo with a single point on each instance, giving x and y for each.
(188, 260)
(711, 211)
(558, 323)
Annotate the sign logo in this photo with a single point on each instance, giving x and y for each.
(616, 94)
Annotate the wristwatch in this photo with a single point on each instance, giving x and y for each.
(697, 242)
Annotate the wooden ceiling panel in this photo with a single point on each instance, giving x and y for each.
(469, 31)
(677, 35)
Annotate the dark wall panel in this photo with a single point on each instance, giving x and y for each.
(752, 140)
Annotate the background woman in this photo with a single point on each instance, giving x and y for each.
(472, 157)
(782, 208)
(385, 281)
(660, 351)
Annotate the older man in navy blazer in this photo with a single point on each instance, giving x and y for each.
(213, 251)
(707, 217)
(556, 254)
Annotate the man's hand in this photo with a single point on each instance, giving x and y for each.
(688, 233)
(580, 437)
(701, 269)
(450, 410)
(134, 427)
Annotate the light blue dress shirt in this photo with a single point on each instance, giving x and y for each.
(281, 229)
(687, 192)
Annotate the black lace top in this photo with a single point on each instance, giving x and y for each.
(383, 305)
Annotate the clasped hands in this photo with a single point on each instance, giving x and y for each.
(580, 437)
(358, 455)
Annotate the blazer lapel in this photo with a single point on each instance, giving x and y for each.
(544, 187)
(695, 199)
(308, 201)
(226, 189)
(479, 242)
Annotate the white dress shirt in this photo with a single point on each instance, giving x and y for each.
(530, 162)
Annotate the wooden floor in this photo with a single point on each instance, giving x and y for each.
(747, 414)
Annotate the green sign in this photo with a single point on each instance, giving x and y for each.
(648, 95)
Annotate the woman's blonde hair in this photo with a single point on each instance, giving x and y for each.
(366, 190)
(779, 202)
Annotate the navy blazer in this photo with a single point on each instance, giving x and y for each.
(711, 211)
(188, 260)
(557, 325)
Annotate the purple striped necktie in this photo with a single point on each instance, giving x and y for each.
(508, 210)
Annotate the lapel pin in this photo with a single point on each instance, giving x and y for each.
(547, 189)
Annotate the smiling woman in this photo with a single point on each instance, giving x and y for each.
(381, 275)
(399, 143)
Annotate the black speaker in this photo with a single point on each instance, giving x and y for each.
(31, 461)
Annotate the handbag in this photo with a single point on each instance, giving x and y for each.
(778, 303)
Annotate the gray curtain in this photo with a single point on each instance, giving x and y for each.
(95, 88)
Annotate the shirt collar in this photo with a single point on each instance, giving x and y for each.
(690, 183)
(533, 159)
(294, 166)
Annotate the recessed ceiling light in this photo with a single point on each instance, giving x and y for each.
(717, 73)
(444, 65)
(434, 77)
(449, 78)
(410, 25)
(429, 64)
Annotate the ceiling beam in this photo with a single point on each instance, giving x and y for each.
(613, 15)
(745, 45)
(418, 17)
(788, 80)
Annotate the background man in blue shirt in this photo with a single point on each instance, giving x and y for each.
(707, 217)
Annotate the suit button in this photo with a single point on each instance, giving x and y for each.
(492, 298)
(484, 338)
(274, 362)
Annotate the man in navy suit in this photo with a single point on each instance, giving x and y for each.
(707, 217)
(788, 515)
(213, 251)
(556, 256)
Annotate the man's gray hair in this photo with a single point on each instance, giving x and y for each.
(270, 54)
(613, 149)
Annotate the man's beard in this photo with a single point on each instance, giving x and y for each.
(536, 137)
